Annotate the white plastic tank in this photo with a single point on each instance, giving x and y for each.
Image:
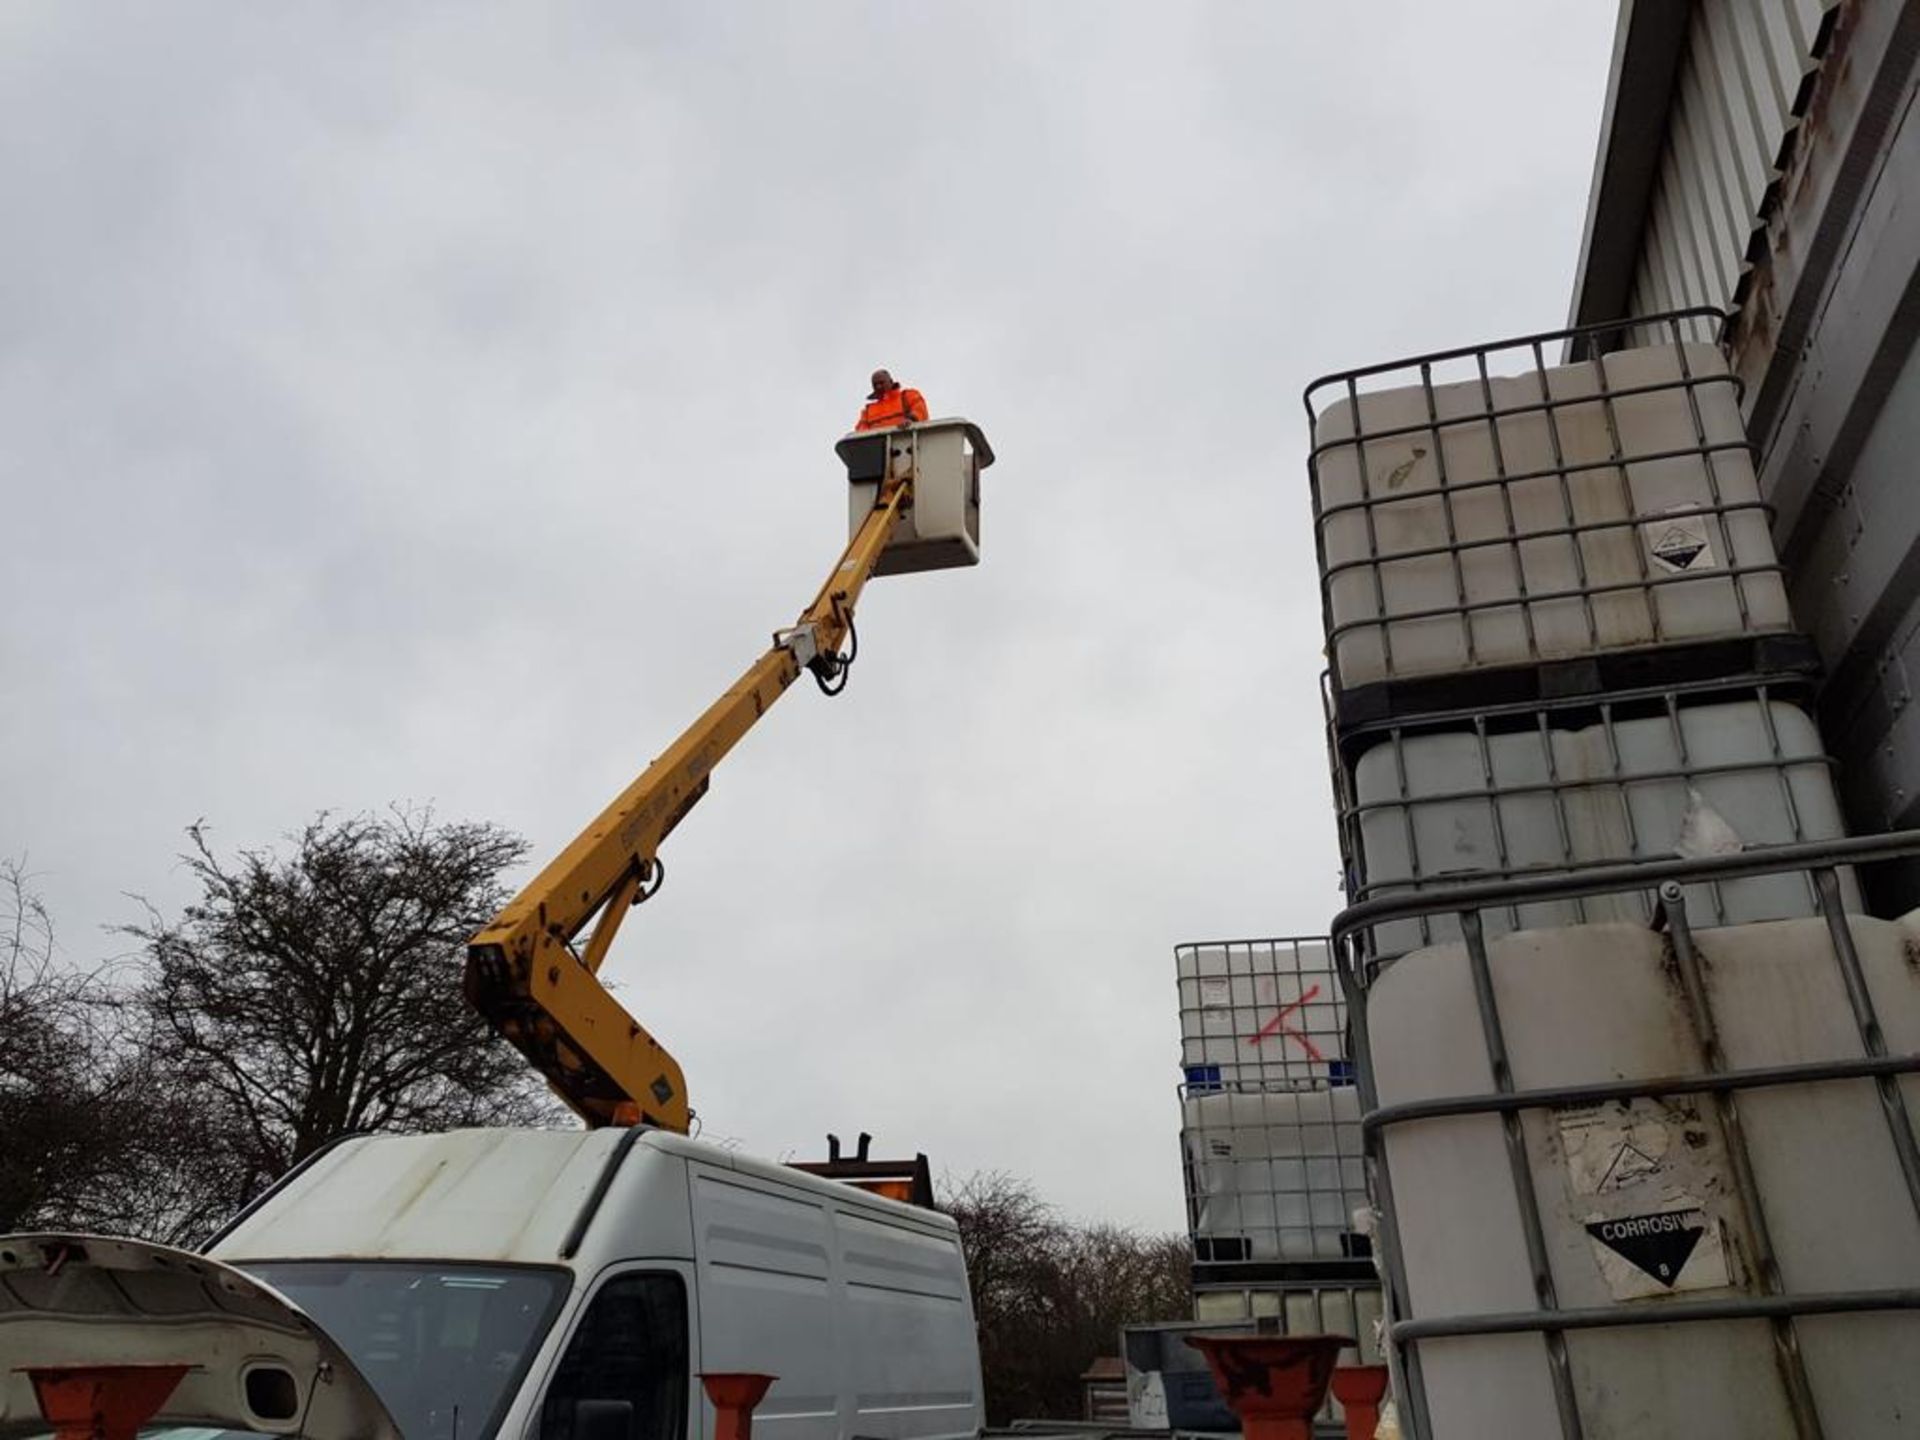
(1448, 806)
(943, 458)
(1330, 1307)
(1639, 1205)
(1259, 1013)
(1273, 1174)
(1430, 573)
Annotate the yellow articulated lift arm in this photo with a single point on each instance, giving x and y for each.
(525, 973)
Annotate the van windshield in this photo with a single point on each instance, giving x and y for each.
(444, 1346)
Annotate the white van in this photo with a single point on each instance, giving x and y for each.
(513, 1283)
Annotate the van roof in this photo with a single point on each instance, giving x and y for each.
(474, 1195)
(463, 1194)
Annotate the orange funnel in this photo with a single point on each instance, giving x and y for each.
(734, 1393)
(1359, 1389)
(102, 1402)
(1274, 1383)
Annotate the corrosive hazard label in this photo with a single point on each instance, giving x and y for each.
(1679, 543)
(1642, 1176)
(1660, 1252)
(1659, 1244)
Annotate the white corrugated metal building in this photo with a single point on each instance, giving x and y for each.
(1762, 157)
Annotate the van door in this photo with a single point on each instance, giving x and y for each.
(764, 1253)
(625, 1373)
(860, 1313)
(911, 1368)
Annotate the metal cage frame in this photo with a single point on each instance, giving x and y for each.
(1541, 720)
(1675, 325)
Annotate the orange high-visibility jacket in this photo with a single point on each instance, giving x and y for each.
(896, 407)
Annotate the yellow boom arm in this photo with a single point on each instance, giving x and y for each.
(524, 973)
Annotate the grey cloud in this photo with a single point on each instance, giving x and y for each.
(435, 402)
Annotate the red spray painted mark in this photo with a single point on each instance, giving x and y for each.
(1278, 1025)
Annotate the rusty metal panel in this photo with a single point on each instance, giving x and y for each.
(1741, 85)
(1788, 131)
(1839, 220)
(1882, 734)
(1825, 345)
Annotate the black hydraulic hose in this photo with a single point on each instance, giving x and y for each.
(656, 869)
(832, 677)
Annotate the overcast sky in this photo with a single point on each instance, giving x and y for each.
(435, 403)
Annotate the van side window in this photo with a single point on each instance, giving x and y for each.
(624, 1376)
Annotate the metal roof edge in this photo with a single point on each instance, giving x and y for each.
(1648, 41)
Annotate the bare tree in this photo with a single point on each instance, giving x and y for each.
(1049, 1296)
(94, 1133)
(313, 994)
(46, 1050)
(1008, 1233)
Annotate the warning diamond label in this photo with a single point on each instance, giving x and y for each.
(1678, 548)
(1629, 1163)
(1679, 543)
(1616, 1146)
(1659, 1244)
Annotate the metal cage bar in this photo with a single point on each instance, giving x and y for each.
(1786, 1340)
(1533, 1229)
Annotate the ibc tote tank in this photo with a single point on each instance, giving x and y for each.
(1505, 520)
(1639, 1200)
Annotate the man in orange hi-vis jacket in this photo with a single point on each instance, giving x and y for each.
(890, 405)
